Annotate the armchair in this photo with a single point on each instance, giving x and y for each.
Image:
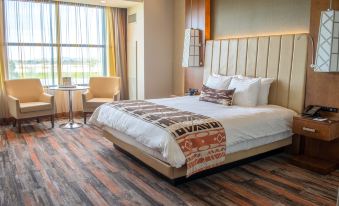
(26, 99)
(101, 90)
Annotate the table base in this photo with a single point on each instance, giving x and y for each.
(71, 125)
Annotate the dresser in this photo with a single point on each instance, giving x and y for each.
(325, 133)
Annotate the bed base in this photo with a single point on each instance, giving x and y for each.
(182, 180)
(178, 175)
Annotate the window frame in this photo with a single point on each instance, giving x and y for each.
(59, 45)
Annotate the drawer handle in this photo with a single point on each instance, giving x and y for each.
(309, 130)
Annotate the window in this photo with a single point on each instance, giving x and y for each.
(49, 40)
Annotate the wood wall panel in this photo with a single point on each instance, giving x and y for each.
(197, 14)
(321, 88)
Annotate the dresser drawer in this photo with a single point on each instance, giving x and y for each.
(313, 129)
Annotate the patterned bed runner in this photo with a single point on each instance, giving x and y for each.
(202, 139)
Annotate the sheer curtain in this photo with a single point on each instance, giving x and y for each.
(49, 40)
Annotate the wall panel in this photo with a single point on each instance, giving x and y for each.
(284, 55)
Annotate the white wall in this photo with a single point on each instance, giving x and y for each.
(135, 59)
(159, 31)
(158, 48)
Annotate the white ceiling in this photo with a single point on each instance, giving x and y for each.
(111, 3)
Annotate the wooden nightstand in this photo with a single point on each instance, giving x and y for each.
(327, 131)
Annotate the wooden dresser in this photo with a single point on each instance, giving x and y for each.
(325, 132)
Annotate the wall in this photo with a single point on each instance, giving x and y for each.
(150, 76)
(248, 17)
(179, 29)
(321, 88)
(135, 52)
(158, 48)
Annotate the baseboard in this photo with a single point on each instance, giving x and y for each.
(9, 120)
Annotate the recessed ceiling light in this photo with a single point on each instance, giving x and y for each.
(103, 1)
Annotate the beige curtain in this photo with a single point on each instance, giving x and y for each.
(116, 19)
(3, 65)
(110, 43)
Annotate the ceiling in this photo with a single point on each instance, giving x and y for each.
(111, 3)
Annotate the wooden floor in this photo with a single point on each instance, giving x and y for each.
(79, 167)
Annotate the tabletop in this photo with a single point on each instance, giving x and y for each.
(69, 88)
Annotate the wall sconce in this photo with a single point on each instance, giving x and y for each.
(327, 55)
(192, 51)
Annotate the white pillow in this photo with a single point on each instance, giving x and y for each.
(246, 91)
(264, 91)
(218, 82)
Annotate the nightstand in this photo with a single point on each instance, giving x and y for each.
(327, 131)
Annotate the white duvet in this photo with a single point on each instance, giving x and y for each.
(242, 124)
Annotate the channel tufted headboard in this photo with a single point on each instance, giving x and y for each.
(282, 57)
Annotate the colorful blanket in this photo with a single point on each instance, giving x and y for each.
(202, 139)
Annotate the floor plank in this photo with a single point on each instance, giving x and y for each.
(45, 166)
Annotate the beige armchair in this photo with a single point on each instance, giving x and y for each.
(101, 90)
(26, 100)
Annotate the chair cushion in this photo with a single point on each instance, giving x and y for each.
(93, 103)
(34, 106)
(100, 100)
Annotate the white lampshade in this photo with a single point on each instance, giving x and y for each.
(192, 44)
(327, 56)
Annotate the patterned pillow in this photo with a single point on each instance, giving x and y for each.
(224, 97)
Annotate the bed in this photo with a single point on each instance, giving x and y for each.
(282, 57)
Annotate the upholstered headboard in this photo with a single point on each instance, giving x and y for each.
(282, 57)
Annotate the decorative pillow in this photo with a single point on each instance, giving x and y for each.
(218, 82)
(264, 91)
(224, 97)
(247, 91)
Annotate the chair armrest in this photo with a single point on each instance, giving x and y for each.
(47, 98)
(86, 96)
(116, 95)
(13, 106)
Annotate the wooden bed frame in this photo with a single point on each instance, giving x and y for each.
(282, 57)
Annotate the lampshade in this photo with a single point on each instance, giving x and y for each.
(327, 55)
(192, 44)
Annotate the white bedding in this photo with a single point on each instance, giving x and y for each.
(242, 125)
